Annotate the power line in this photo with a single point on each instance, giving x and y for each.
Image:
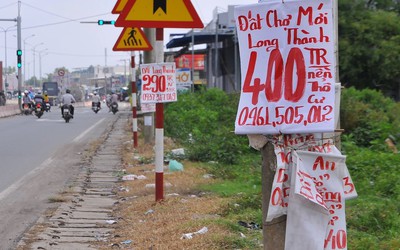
(67, 19)
(6, 6)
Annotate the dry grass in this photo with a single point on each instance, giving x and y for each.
(160, 225)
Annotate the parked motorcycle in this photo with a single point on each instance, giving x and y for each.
(38, 109)
(95, 107)
(26, 109)
(114, 107)
(66, 113)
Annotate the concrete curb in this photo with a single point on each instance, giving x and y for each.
(9, 110)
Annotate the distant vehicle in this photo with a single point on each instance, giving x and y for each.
(53, 92)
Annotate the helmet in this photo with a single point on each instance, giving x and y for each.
(95, 93)
(45, 92)
(26, 91)
(68, 91)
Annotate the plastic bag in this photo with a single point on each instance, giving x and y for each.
(175, 166)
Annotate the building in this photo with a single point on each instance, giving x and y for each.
(221, 68)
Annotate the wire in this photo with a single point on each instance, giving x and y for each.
(5, 6)
(67, 20)
(48, 12)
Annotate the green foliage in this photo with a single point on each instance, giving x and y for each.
(373, 219)
(368, 116)
(204, 123)
(369, 34)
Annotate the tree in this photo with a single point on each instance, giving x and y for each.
(369, 45)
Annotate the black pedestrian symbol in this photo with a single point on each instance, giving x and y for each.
(131, 40)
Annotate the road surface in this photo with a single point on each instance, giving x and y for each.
(38, 158)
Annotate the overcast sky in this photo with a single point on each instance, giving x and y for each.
(55, 29)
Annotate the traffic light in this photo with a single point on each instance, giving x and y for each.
(19, 94)
(102, 22)
(19, 61)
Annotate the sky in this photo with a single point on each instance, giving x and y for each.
(58, 32)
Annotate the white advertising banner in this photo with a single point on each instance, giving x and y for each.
(287, 67)
(317, 219)
(281, 185)
(158, 83)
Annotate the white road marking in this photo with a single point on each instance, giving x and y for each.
(24, 179)
(79, 137)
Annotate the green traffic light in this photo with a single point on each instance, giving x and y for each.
(19, 65)
(102, 22)
(19, 52)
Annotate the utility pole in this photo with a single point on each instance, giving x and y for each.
(274, 232)
(19, 48)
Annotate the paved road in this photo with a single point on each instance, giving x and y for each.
(38, 158)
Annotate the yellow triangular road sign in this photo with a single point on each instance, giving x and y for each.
(159, 14)
(132, 39)
(119, 6)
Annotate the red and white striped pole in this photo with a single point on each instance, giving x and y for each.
(159, 133)
(134, 102)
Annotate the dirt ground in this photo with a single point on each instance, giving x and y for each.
(187, 218)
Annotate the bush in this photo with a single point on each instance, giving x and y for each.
(203, 122)
(369, 116)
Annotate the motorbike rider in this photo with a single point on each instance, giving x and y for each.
(46, 98)
(68, 99)
(96, 100)
(113, 98)
(27, 99)
(38, 98)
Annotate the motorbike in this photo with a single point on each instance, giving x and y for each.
(38, 109)
(114, 107)
(26, 109)
(66, 113)
(47, 107)
(95, 107)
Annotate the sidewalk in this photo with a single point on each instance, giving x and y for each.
(85, 218)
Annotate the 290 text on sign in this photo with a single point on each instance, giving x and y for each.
(158, 83)
(287, 66)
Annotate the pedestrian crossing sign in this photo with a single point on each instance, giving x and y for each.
(132, 39)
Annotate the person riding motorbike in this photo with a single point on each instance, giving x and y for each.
(68, 99)
(38, 98)
(96, 100)
(46, 98)
(113, 99)
(26, 99)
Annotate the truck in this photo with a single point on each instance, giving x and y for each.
(52, 91)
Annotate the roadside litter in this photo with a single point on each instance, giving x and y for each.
(190, 235)
(153, 185)
(150, 211)
(250, 225)
(175, 166)
(131, 177)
